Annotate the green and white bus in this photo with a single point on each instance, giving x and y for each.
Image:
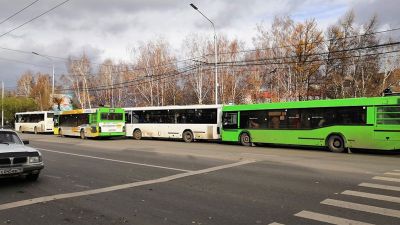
(365, 123)
(101, 122)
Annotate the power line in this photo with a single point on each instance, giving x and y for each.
(221, 53)
(307, 61)
(34, 18)
(166, 63)
(140, 78)
(164, 76)
(22, 62)
(311, 61)
(158, 77)
(301, 44)
(313, 54)
(16, 13)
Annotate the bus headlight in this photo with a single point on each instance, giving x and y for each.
(34, 159)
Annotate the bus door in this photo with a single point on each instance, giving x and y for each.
(230, 125)
(49, 122)
(387, 123)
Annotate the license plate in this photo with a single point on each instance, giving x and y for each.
(6, 171)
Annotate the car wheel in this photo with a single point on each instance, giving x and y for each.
(335, 143)
(137, 134)
(187, 136)
(245, 139)
(32, 177)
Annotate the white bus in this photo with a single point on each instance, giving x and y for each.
(189, 122)
(37, 122)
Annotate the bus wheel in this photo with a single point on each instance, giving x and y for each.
(83, 134)
(335, 143)
(35, 130)
(187, 136)
(245, 139)
(137, 134)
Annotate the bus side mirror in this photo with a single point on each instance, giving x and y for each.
(26, 142)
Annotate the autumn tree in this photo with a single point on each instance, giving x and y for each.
(25, 84)
(79, 77)
(41, 91)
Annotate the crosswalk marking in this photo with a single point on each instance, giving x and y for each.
(275, 223)
(391, 173)
(387, 179)
(380, 186)
(362, 207)
(372, 196)
(329, 219)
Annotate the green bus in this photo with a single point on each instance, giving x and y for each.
(100, 122)
(340, 124)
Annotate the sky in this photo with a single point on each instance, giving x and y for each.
(105, 29)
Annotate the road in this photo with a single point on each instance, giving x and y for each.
(171, 182)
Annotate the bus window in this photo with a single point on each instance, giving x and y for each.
(230, 120)
(388, 115)
(111, 116)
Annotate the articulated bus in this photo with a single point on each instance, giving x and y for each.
(37, 122)
(101, 122)
(189, 122)
(366, 123)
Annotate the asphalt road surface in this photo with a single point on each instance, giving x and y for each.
(171, 182)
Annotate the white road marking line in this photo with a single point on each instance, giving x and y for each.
(362, 207)
(387, 179)
(114, 160)
(396, 170)
(51, 176)
(275, 223)
(391, 173)
(380, 186)
(119, 187)
(329, 219)
(372, 196)
(81, 186)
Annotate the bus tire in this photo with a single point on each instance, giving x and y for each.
(35, 130)
(137, 134)
(187, 136)
(82, 134)
(335, 143)
(245, 139)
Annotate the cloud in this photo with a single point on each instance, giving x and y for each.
(109, 29)
(386, 10)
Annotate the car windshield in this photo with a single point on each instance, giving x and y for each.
(8, 137)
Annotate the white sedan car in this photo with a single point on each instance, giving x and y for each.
(17, 159)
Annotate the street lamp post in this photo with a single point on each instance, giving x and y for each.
(215, 52)
(2, 104)
(52, 63)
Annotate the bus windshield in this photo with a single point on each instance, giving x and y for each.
(111, 116)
